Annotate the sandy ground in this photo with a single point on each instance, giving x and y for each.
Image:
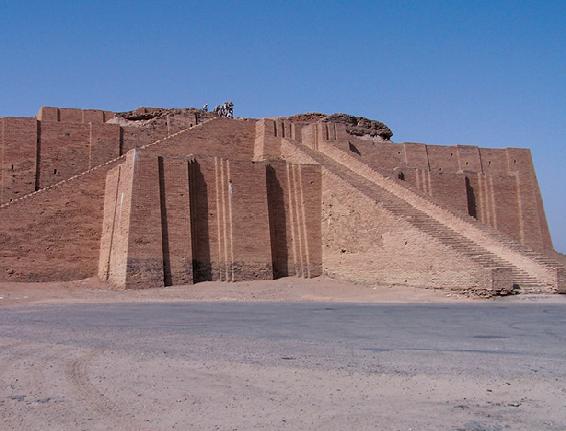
(288, 289)
(290, 354)
(285, 290)
(475, 366)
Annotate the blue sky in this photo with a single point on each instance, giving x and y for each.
(488, 73)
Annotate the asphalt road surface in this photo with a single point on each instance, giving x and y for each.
(279, 366)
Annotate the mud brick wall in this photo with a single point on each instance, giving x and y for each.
(231, 232)
(177, 123)
(72, 115)
(113, 241)
(176, 235)
(416, 155)
(145, 248)
(449, 190)
(506, 211)
(131, 241)
(309, 136)
(446, 189)
(204, 229)
(534, 228)
(185, 220)
(55, 234)
(134, 137)
(441, 159)
(266, 144)
(104, 142)
(64, 151)
(222, 137)
(201, 218)
(245, 194)
(294, 202)
(18, 148)
(146, 234)
(37, 154)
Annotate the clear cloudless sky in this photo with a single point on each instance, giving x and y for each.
(489, 73)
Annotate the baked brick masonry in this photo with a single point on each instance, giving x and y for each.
(159, 197)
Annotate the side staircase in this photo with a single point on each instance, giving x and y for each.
(532, 271)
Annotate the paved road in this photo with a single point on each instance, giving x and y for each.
(241, 366)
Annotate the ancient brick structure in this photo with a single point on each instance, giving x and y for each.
(158, 197)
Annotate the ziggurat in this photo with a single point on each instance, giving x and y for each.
(159, 197)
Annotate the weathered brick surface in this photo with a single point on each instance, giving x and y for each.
(66, 142)
(294, 200)
(175, 221)
(225, 138)
(64, 151)
(266, 144)
(113, 201)
(54, 234)
(48, 113)
(145, 246)
(92, 116)
(18, 153)
(177, 123)
(134, 137)
(245, 196)
(104, 143)
(533, 226)
(72, 115)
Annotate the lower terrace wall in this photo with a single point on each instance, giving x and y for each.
(186, 220)
(183, 220)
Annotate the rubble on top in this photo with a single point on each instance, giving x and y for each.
(358, 126)
(144, 116)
